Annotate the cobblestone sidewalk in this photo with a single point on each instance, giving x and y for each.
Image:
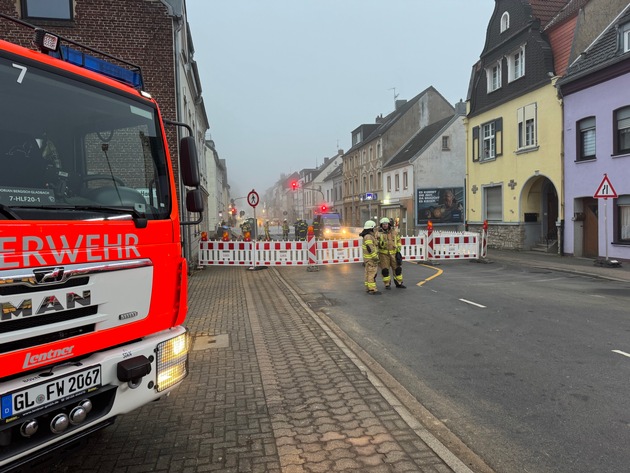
(271, 389)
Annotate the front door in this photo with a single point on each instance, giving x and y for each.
(552, 213)
(590, 238)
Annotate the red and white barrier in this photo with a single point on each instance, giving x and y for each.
(453, 245)
(339, 251)
(281, 253)
(427, 246)
(227, 253)
(414, 248)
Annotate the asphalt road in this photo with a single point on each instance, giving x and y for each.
(517, 362)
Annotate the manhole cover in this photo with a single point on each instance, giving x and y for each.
(203, 342)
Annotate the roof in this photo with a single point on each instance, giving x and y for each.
(390, 120)
(568, 11)
(546, 10)
(421, 139)
(338, 171)
(601, 53)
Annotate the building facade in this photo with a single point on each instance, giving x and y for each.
(597, 144)
(514, 129)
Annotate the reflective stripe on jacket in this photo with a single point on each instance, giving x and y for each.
(389, 242)
(370, 251)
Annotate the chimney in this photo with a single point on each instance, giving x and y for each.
(400, 103)
(379, 118)
(460, 107)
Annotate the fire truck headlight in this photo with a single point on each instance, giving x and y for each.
(172, 361)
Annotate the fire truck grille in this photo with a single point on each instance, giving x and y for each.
(43, 320)
(47, 338)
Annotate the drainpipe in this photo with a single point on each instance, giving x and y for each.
(176, 11)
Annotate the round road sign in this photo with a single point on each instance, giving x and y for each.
(252, 198)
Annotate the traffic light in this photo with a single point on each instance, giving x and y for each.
(233, 210)
(323, 208)
(294, 185)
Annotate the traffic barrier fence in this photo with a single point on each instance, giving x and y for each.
(427, 246)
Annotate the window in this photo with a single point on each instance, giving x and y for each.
(526, 126)
(378, 180)
(397, 182)
(370, 153)
(389, 183)
(364, 189)
(623, 219)
(493, 204)
(405, 180)
(47, 9)
(516, 64)
(445, 143)
(586, 139)
(622, 128)
(371, 188)
(488, 141)
(493, 74)
(505, 21)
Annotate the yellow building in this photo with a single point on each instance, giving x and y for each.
(514, 131)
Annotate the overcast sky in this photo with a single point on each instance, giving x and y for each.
(286, 81)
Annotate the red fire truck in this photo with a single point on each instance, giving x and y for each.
(92, 278)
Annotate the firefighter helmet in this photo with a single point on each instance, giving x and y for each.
(370, 224)
(384, 220)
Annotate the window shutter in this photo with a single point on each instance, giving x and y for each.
(475, 144)
(498, 133)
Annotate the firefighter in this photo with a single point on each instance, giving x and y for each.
(301, 230)
(267, 234)
(246, 230)
(316, 229)
(285, 230)
(389, 254)
(370, 256)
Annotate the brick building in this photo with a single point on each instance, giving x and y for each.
(152, 34)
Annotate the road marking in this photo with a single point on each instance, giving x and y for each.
(473, 303)
(622, 353)
(439, 271)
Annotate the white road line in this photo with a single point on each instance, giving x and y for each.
(622, 353)
(473, 303)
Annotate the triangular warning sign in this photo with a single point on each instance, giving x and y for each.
(605, 189)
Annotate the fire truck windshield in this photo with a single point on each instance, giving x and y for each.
(68, 145)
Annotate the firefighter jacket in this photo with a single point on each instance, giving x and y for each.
(389, 242)
(370, 250)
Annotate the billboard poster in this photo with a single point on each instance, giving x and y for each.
(440, 205)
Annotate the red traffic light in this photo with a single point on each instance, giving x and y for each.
(323, 208)
(294, 185)
(233, 210)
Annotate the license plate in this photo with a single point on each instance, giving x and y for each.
(19, 403)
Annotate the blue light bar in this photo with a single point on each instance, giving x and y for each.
(119, 73)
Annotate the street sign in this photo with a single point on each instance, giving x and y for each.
(605, 189)
(252, 198)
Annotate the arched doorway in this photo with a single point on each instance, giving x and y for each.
(539, 211)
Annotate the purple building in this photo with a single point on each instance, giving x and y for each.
(596, 97)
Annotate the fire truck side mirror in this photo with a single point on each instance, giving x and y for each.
(194, 201)
(188, 161)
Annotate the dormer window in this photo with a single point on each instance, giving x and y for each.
(516, 64)
(505, 21)
(493, 74)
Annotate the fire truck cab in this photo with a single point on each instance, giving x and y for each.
(92, 278)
